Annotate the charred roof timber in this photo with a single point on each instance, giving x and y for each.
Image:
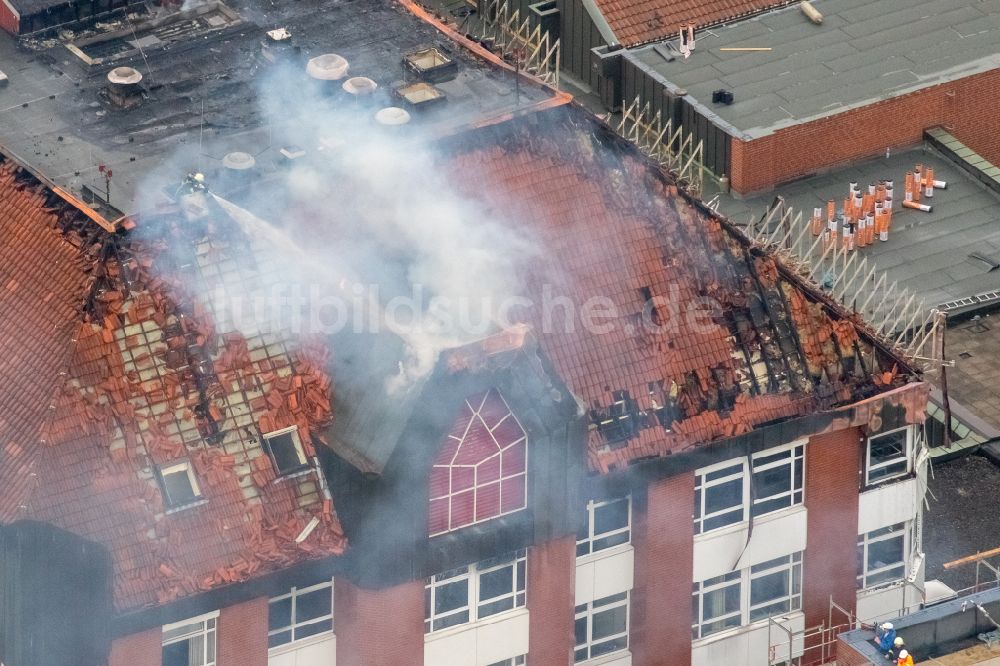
(430, 64)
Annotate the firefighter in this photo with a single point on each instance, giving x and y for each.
(885, 635)
(904, 659)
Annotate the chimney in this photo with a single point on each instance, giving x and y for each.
(123, 87)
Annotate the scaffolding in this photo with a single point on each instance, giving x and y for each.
(894, 314)
(670, 147)
(531, 50)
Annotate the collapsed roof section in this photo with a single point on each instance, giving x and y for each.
(123, 372)
(737, 342)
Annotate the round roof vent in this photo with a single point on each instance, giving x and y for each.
(239, 161)
(124, 76)
(327, 67)
(392, 115)
(360, 86)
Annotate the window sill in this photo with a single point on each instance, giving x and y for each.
(294, 474)
(458, 628)
(888, 481)
(605, 658)
(602, 554)
(745, 629)
(881, 587)
(185, 507)
(301, 643)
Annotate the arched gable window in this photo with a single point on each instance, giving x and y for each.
(481, 468)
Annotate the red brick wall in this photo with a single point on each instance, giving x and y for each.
(142, 649)
(379, 627)
(551, 601)
(829, 566)
(962, 106)
(848, 656)
(663, 538)
(241, 637)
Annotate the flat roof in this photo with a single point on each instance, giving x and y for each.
(204, 93)
(863, 52)
(926, 252)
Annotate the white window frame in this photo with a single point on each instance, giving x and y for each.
(595, 542)
(743, 580)
(797, 451)
(703, 483)
(303, 466)
(473, 604)
(209, 629)
(907, 457)
(293, 594)
(899, 530)
(519, 660)
(177, 467)
(593, 608)
(796, 494)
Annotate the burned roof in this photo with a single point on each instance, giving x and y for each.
(737, 341)
(123, 368)
(639, 21)
(665, 322)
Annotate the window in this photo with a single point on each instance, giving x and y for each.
(777, 480)
(286, 451)
(602, 626)
(741, 597)
(621, 420)
(719, 497)
(519, 660)
(882, 556)
(179, 485)
(775, 587)
(471, 593)
(301, 613)
(190, 643)
(481, 469)
(888, 455)
(716, 604)
(722, 492)
(608, 524)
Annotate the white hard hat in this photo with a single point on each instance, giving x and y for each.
(887, 625)
(903, 654)
(898, 642)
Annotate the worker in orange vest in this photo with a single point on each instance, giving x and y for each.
(904, 659)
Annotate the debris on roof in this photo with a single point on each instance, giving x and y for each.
(131, 368)
(738, 342)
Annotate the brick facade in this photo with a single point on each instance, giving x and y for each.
(663, 538)
(829, 567)
(142, 649)
(848, 656)
(241, 638)
(963, 107)
(379, 627)
(551, 601)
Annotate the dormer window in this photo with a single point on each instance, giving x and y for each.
(480, 471)
(286, 451)
(179, 485)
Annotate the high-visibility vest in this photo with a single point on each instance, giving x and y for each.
(908, 661)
